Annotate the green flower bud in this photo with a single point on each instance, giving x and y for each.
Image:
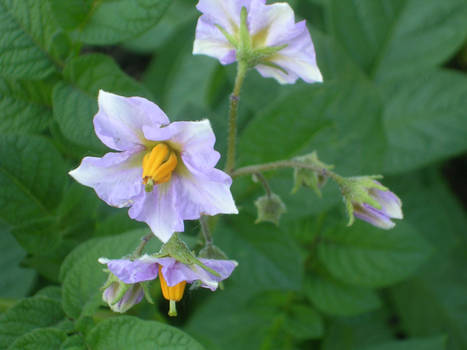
(314, 179)
(270, 208)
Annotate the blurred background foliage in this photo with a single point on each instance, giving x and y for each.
(394, 101)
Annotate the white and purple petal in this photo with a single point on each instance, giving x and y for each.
(373, 216)
(390, 203)
(131, 272)
(158, 209)
(119, 121)
(116, 177)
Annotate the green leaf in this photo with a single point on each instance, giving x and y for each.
(336, 298)
(363, 255)
(267, 320)
(27, 315)
(322, 117)
(27, 35)
(355, 333)
(14, 281)
(75, 99)
(31, 177)
(100, 22)
(424, 119)
(433, 343)
(434, 301)
(268, 256)
(127, 332)
(25, 106)
(83, 276)
(40, 339)
(387, 37)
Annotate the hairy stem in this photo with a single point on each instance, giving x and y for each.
(264, 182)
(205, 230)
(242, 68)
(139, 249)
(281, 164)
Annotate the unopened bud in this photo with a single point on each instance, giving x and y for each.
(270, 208)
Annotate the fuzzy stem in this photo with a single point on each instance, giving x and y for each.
(139, 249)
(281, 164)
(205, 230)
(264, 182)
(242, 68)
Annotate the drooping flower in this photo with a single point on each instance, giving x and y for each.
(370, 201)
(173, 274)
(265, 35)
(124, 289)
(164, 171)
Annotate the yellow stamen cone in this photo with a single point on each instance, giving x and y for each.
(173, 294)
(159, 164)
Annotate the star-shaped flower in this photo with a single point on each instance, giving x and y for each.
(164, 171)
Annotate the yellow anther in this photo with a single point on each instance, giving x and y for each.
(159, 164)
(172, 294)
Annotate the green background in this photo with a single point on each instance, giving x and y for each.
(393, 101)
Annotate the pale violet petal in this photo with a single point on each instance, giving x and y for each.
(119, 120)
(204, 192)
(210, 41)
(131, 272)
(373, 216)
(158, 210)
(390, 203)
(116, 177)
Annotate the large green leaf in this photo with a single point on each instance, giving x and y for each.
(32, 176)
(433, 343)
(27, 315)
(83, 276)
(14, 281)
(363, 255)
(424, 119)
(75, 99)
(336, 298)
(101, 22)
(40, 339)
(355, 333)
(25, 106)
(435, 301)
(28, 39)
(386, 37)
(267, 319)
(132, 333)
(319, 117)
(266, 254)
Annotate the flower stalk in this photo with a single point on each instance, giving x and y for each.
(242, 69)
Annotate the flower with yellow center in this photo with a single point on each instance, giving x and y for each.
(165, 172)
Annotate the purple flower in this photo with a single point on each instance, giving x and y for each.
(390, 208)
(282, 48)
(174, 275)
(164, 171)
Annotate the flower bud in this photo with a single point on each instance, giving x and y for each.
(270, 208)
(121, 296)
(369, 200)
(308, 177)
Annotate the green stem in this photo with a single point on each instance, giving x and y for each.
(265, 183)
(281, 164)
(139, 249)
(242, 68)
(205, 230)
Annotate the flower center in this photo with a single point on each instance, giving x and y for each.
(158, 165)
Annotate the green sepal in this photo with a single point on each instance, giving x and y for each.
(230, 38)
(270, 208)
(177, 249)
(122, 289)
(356, 191)
(147, 292)
(314, 179)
